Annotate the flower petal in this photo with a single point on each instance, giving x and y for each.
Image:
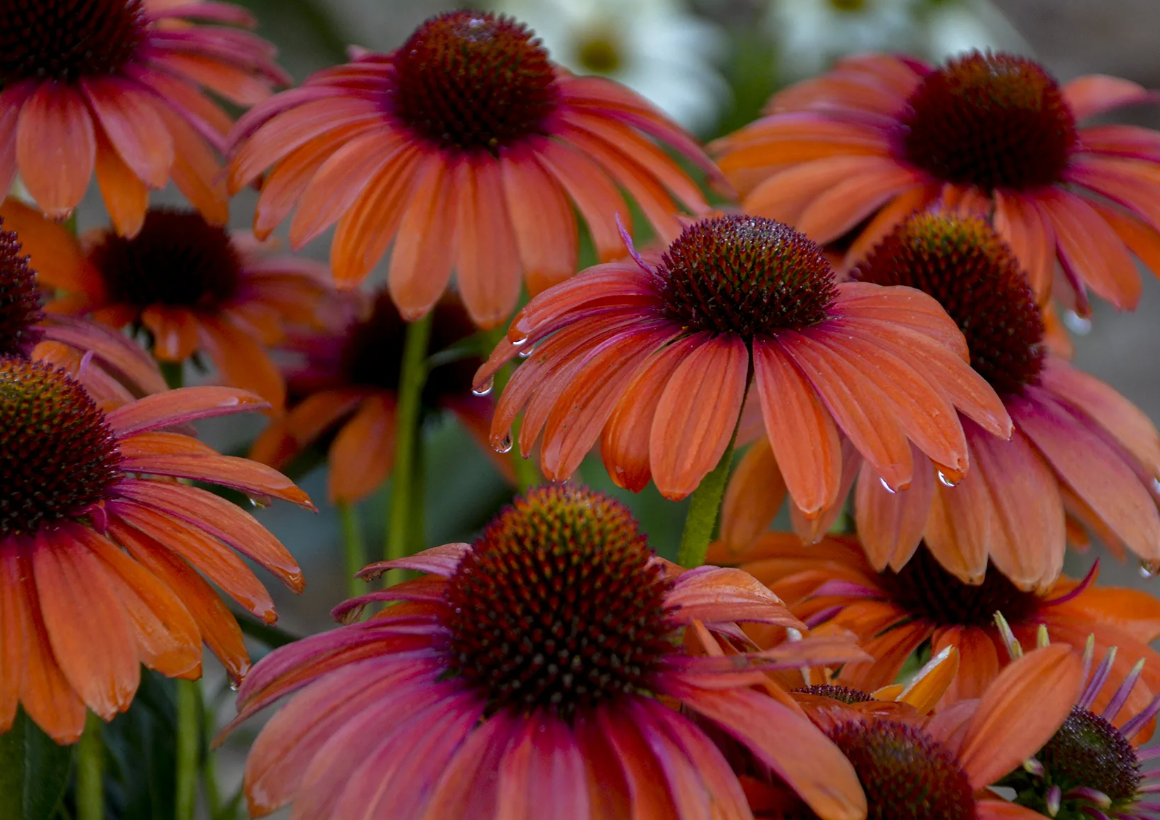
(56, 148)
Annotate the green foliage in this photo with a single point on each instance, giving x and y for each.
(33, 772)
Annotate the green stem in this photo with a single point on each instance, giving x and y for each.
(91, 771)
(354, 547)
(403, 491)
(188, 747)
(174, 373)
(704, 506)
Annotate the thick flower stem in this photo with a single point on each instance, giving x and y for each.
(404, 492)
(353, 546)
(188, 747)
(91, 771)
(704, 506)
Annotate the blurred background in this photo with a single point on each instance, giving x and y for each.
(711, 64)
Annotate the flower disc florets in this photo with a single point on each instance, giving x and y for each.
(177, 259)
(906, 774)
(473, 81)
(58, 455)
(66, 40)
(559, 605)
(1088, 752)
(924, 588)
(746, 275)
(844, 694)
(990, 120)
(20, 308)
(966, 266)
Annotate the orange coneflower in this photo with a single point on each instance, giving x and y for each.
(347, 382)
(539, 672)
(100, 548)
(880, 136)
(896, 613)
(468, 148)
(1094, 766)
(659, 356)
(941, 767)
(195, 288)
(115, 87)
(112, 368)
(1077, 443)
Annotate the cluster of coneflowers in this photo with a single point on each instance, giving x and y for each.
(866, 309)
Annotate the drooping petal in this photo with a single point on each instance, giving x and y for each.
(801, 430)
(754, 494)
(176, 407)
(625, 444)
(90, 633)
(488, 265)
(363, 452)
(697, 414)
(427, 240)
(56, 148)
(1020, 712)
(543, 223)
(130, 120)
(891, 524)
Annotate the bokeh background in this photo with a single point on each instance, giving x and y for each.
(711, 64)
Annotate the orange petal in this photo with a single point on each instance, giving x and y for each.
(755, 493)
(625, 443)
(801, 430)
(90, 632)
(595, 195)
(978, 661)
(174, 330)
(14, 632)
(214, 620)
(891, 524)
(428, 238)
(861, 410)
(543, 222)
(56, 148)
(242, 359)
(168, 639)
(489, 263)
(958, 532)
(363, 452)
(126, 197)
(46, 695)
(196, 171)
(1020, 712)
(929, 684)
(1094, 94)
(130, 120)
(697, 414)
(54, 253)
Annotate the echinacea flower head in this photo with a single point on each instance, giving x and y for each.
(116, 88)
(468, 149)
(545, 670)
(112, 368)
(880, 136)
(939, 767)
(344, 387)
(1078, 445)
(100, 549)
(655, 357)
(1094, 766)
(196, 289)
(896, 614)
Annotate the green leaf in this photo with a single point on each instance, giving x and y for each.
(140, 783)
(33, 772)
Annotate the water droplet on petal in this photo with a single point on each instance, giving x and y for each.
(1077, 324)
(946, 480)
(886, 486)
(235, 684)
(484, 388)
(527, 351)
(504, 445)
(517, 337)
(1149, 569)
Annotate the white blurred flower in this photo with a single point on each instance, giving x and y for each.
(969, 25)
(654, 47)
(810, 35)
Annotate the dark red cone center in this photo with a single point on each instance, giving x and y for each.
(472, 81)
(962, 262)
(67, 39)
(58, 455)
(990, 120)
(20, 308)
(745, 275)
(558, 606)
